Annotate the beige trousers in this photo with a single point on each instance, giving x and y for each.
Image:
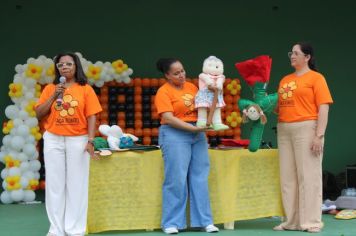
(301, 175)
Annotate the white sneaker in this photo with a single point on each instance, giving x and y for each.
(211, 229)
(170, 230)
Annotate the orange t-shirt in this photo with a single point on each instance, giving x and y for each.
(178, 101)
(70, 119)
(299, 97)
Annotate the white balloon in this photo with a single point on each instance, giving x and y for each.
(23, 115)
(129, 71)
(19, 68)
(22, 157)
(31, 122)
(126, 80)
(24, 182)
(42, 58)
(14, 171)
(31, 60)
(23, 131)
(11, 112)
(29, 95)
(24, 166)
(29, 196)
(13, 132)
(2, 155)
(18, 79)
(29, 175)
(31, 139)
(29, 149)
(37, 175)
(4, 173)
(18, 122)
(17, 195)
(35, 165)
(17, 143)
(4, 184)
(30, 83)
(6, 140)
(99, 83)
(5, 197)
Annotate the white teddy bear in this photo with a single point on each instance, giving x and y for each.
(211, 84)
(114, 133)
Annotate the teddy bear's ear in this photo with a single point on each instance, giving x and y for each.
(104, 129)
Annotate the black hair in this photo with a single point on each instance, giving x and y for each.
(80, 76)
(164, 64)
(307, 49)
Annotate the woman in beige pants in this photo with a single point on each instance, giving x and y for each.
(303, 107)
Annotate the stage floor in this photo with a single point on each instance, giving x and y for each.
(31, 220)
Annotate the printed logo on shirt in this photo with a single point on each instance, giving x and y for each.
(66, 110)
(188, 102)
(287, 89)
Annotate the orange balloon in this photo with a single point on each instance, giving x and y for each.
(121, 123)
(154, 115)
(121, 115)
(229, 107)
(146, 82)
(211, 133)
(138, 98)
(104, 90)
(42, 184)
(138, 124)
(121, 98)
(138, 107)
(104, 115)
(154, 132)
(130, 84)
(138, 90)
(146, 140)
(154, 82)
(229, 132)
(228, 99)
(137, 82)
(130, 131)
(138, 132)
(146, 132)
(237, 131)
(221, 133)
(138, 115)
(153, 99)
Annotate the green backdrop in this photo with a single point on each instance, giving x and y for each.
(141, 31)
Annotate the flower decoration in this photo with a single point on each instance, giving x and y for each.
(15, 90)
(50, 71)
(8, 127)
(119, 66)
(287, 89)
(94, 72)
(34, 71)
(67, 107)
(234, 119)
(33, 184)
(38, 90)
(30, 108)
(10, 162)
(35, 131)
(13, 182)
(234, 87)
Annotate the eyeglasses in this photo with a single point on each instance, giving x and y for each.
(61, 64)
(294, 53)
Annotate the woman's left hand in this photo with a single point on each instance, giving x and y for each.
(90, 149)
(317, 146)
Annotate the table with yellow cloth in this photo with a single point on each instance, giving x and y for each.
(125, 189)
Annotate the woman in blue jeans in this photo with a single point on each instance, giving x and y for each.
(185, 153)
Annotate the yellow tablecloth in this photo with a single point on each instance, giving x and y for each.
(125, 189)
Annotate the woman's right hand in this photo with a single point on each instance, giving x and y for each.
(59, 90)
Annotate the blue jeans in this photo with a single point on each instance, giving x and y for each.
(186, 170)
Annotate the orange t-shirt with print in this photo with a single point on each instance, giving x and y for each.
(299, 97)
(70, 119)
(178, 101)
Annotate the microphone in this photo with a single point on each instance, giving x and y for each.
(62, 81)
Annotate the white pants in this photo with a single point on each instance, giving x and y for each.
(67, 176)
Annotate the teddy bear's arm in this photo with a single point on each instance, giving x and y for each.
(206, 78)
